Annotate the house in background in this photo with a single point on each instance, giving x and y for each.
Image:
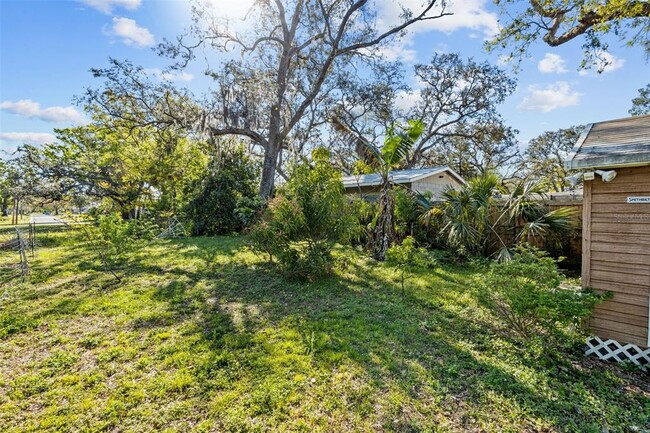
(614, 157)
(433, 180)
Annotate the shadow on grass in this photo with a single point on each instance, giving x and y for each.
(252, 327)
(417, 344)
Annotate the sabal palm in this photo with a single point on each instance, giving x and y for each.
(471, 216)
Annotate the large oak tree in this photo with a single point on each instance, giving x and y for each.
(291, 55)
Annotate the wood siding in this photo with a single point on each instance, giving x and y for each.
(616, 254)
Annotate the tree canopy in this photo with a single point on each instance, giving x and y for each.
(556, 22)
(457, 106)
(545, 155)
(277, 92)
(641, 103)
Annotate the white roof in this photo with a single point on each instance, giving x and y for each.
(398, 176)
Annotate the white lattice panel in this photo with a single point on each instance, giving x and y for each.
(612, 350)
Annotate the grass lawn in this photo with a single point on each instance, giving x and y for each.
(202, 335)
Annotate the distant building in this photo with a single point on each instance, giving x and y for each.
(422, 180)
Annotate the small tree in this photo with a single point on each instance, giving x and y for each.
(398, 142)
(307, 217)
(407, 258)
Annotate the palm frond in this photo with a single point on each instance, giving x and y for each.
(504, 254)
(559, 221)
(397, 144)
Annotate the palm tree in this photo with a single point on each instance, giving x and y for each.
(472, 216)
(398, 142)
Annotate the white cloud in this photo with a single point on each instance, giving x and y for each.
(549, 98)
(552, 63)
(131, 33)
(504, 60)
(27, 137)
(470, 14)
(398, 51)
(406, 100)
(31, 109)
(169, 75)
(608, 62)
(441, 48)
(604, 62)
(107, 6)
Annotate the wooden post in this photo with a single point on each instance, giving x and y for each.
(586, 233)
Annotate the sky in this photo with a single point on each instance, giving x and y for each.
(47, 48)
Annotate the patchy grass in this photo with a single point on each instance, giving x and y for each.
(202, 336)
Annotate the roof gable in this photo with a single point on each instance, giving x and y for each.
(613, 143)
(398, 176)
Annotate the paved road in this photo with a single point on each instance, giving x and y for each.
(45, 219)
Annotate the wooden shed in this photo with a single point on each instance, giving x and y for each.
(614, 157)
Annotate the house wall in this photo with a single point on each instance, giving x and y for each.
(368, 193)
(616, 254)
(436, 183)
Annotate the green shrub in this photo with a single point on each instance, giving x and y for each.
(525, 293)
(225, 201)
(113, 238)
(364, 213)
(407, 258)
(301, 224)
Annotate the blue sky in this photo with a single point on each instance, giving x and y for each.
(48, 47)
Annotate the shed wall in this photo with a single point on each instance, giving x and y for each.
(616, 254)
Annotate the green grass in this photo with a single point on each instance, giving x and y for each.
(202, 335)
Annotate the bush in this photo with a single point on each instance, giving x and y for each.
(410, 219)
(525, 293)
(407, 258)
(225, 201)
(309, 214)
(364, 213)
(117, 237)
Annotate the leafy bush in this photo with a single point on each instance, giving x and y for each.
(525, 293)
(225, 201)
(472, 216)
(364, 213)
(309, 214)
(407, 257)
(116, 237)
(408, 217)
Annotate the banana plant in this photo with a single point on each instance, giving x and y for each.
(399, 140)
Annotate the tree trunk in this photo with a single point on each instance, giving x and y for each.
(5, 206)
(268, 171)
(383, 234)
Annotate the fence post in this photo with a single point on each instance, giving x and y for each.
(24, 267)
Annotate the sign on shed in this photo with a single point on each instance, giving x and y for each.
(639, 199)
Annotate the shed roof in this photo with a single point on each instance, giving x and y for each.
(398, 176)
(613, 143)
